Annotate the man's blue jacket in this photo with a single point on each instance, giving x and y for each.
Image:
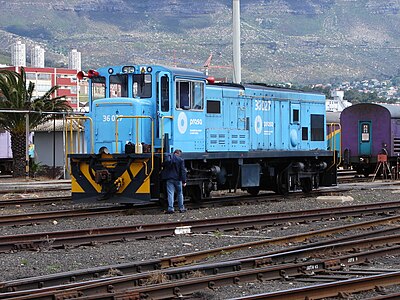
(174, 168)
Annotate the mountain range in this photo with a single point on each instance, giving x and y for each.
(309, 41)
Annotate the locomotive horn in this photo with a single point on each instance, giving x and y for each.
(92, 73)
(81, 75)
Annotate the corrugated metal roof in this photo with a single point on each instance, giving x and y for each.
(394, 109)
(58, 125)
(333, 117)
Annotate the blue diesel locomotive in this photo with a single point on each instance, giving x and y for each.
(249, 137)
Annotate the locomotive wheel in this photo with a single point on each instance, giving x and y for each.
(306, 185)
(194, 192)
(163, 202)
(282, 184)
(254, 190)
(163, 197)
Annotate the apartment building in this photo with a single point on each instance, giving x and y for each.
(45, 78)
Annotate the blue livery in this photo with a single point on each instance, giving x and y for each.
(250, 137)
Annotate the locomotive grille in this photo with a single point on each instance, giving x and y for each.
(222, 139)
(396, 142)
(217, 139)
(227, 140)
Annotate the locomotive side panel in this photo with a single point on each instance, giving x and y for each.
(263, 124)
(232, 136)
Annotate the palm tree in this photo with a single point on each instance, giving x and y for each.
(16, 94)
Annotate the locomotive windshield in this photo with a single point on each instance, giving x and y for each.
(118, 86)
(141, 88)
(142, 85)
(98, 87)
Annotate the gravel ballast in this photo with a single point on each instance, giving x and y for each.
(47, 261)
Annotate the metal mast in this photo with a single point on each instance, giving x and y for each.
(237, 68)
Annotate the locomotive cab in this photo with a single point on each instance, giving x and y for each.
(130, 126)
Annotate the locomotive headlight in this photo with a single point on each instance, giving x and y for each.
(104, 150)
(149, 69)
(110, 70)
(128, 69)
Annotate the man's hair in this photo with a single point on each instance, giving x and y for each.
(177, 151)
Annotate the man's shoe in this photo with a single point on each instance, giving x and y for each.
(182, 210)
(170, 212)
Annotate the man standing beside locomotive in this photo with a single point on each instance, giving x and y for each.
(174, 173)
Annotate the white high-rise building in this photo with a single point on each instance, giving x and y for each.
(74, 60)
(18, 54)
(37, 57)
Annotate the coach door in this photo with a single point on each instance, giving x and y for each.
(164, 119)
(365, 138)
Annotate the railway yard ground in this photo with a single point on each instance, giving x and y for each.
(323, 243)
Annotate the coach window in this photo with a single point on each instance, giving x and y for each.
(142, 85)
(98, 87)
(317, 127)
(118, 86)
(189, 94)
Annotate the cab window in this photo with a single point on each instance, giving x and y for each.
(98, 87)
(118, 86)
(189, 94)
(142, 85)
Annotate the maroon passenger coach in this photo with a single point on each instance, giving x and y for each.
(369, 130)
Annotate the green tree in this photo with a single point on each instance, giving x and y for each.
(17, 94)
(354, 96)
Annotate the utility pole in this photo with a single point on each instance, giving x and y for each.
(237, 67)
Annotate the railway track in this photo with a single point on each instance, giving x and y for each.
(163, 268)
(145, 231)
(134, 280)
(31, 188)
(152, 207)
(288, 263)
(34, 201)
(341, 288)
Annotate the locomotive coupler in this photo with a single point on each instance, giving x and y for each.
(102, 176)
(108, 185)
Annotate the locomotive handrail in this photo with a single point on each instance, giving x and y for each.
(162, 135)
(332, 143)
(137, 136)
(71, 136)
